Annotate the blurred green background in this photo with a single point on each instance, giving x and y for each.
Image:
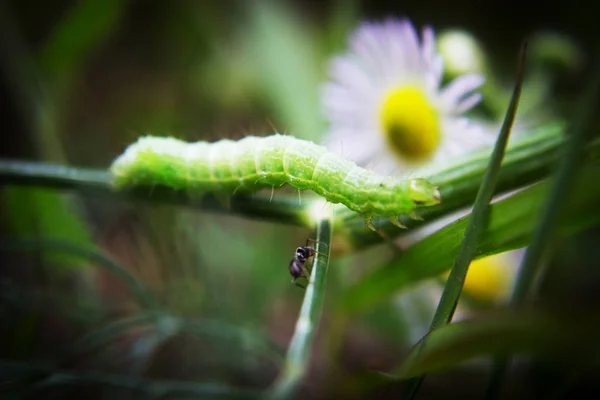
(81, 80)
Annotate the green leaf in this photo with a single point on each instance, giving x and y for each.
(83, 28)
(558, 337)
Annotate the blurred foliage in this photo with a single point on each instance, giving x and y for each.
(80, 80)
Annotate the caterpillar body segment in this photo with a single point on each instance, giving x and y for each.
(254, 163)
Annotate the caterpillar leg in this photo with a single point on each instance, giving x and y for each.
(396, 222)
(369, 223)
(414, 216)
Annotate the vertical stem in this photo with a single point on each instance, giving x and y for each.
(297, 359)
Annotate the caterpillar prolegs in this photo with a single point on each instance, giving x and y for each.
(253, 163)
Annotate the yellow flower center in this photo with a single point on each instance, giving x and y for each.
(410, 123)
(488, 278)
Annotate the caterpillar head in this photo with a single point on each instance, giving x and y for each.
(423, 192)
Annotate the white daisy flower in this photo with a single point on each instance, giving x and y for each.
(385, 105)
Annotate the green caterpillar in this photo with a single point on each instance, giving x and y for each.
(253, 163)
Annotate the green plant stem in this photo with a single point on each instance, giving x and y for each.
(299, 351)
(528, 159)
(545, 230)
(138, 289)
(477, 224)
(97, 183)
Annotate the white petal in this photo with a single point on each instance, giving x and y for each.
(459, 87)
(348, 72)
(467, 103)
(429, 52)
(411, 44)
(366, 43)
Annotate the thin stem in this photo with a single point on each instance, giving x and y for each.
(299, 351)
(477, 223)
(549, 218)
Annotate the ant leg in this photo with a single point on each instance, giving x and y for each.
(309, 240)
(320, 253)
(308, 270)
(296, 283)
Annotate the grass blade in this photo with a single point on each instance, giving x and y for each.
(299, 351)
(477, 224)
(545, 230)
(558, 336)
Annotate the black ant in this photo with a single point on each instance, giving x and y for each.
(298, 264)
